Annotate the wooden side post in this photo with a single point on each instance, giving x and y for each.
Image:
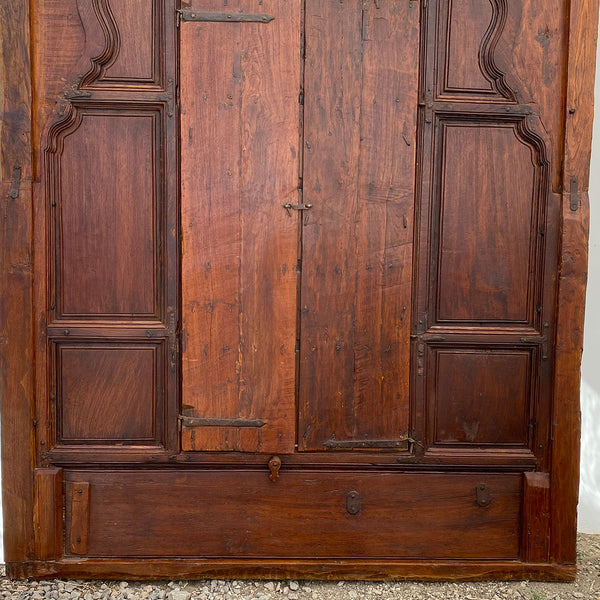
(536, 517)
(48, 513)
(566, 419)
(16, 326)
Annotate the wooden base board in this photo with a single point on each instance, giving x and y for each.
(325, 570)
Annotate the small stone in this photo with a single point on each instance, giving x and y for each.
(286, 590)
(179, 595)
(294, 586)
(270, 586)
(578, 595)
(293, 596)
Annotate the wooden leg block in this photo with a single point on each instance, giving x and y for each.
(48, 513)
(536, 517)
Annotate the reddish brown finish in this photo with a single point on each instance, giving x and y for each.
(136, 23)
(566, 417)
(16, 322)
(447, 135)
(239, 94)
(536, 517)
(487, 217)
(79, 517)
(243, 513)
(321, 569)
(109, 394)
(360, 87)
(473, 402)
(464, 25)
(48, 513)
(106, 222)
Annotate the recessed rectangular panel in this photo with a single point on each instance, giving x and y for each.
(109, 394)
(107, 255)
(139, 37)
(467, 24)
(309, 514)
(480, 397)
(488, 211)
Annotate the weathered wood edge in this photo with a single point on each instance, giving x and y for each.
(322, 569)
(566, 418)
(16, 348)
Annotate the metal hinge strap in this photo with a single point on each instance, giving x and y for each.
(219, 422)
(172, 339)
(218, 17)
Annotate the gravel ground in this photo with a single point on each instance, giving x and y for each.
(586, 587)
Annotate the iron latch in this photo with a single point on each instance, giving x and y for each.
(289, 207)
(187, 421)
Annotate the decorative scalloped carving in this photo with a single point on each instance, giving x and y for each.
(69, 122)
(487, 59)
(112, 44)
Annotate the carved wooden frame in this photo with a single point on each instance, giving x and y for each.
(30, 524)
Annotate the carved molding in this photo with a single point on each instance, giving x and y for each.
(112, 43)
(497, 88)
(522, 128)
(487, 51)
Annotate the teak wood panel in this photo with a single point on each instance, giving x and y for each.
(240, 165)
(109, 394)
(107, 225)
(537, 80)
(304, 514)
(488, 224)
(473, 402)
(360, 110)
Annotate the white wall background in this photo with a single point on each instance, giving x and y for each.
(589, 491)
(589, 496)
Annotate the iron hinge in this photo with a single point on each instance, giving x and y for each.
(186, 14)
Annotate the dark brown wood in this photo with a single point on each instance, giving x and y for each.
(16, 353)
(239, 94)
(245, 513)
(326, 267)
(536, 517)
(321, 569)
(48, 513)
(360, 90)
(109, 394)
(566, 417)
(79, 516)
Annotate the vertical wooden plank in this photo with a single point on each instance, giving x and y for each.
(239, 94)
(360, 133)
(80, 517)
(48, 513)
(536, 517)
(332, 86)
(566, 419)
(16, 373)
